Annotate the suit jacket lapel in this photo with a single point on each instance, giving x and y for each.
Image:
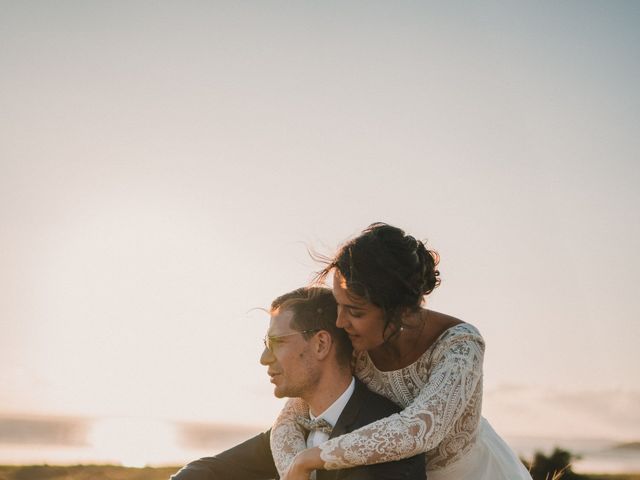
(350, 412)
(344, 425)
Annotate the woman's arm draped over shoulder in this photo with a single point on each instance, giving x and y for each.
(287, 437)
(455, 373)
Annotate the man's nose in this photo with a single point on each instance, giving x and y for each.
(267, 357)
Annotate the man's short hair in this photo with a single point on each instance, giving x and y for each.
(314, 308)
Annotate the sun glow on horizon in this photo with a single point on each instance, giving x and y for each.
(133, 442)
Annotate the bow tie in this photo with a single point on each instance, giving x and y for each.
(319, 424)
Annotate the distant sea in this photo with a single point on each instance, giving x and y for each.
(140, 442)
(594, 455)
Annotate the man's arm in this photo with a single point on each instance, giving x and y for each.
(250, 460)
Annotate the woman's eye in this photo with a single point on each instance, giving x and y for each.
(356, 314)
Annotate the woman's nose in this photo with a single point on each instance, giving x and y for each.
(341, 321)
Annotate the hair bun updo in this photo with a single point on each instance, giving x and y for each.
(389, 268)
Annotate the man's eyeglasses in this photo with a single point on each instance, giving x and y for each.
(271, 341)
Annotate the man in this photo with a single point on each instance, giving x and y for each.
(307, 356)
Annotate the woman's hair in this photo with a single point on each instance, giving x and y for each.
(387, 267)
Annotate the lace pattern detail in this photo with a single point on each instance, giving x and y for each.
(287, 437)
(441, 394)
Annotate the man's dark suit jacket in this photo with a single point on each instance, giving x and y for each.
(252, 459)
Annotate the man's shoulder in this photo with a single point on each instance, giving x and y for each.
(371, 407)
(374, 406)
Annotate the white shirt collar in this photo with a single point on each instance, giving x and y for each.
(332, 413)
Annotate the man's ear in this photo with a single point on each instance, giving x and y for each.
(323, 344)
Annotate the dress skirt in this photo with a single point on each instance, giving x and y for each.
(489, 459)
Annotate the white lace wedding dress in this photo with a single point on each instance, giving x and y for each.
(441, 394)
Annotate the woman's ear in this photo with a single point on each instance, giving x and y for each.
(323, 344)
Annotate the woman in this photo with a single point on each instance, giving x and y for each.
(427, 362)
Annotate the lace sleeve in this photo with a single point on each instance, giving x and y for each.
(287, 437)
(455, 371)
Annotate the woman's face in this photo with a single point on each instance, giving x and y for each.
(362, 320)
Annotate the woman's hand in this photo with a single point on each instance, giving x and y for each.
(303, 464)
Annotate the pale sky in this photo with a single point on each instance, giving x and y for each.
(165, 165)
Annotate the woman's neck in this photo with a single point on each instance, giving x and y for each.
(419, 331)
(403, 346)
